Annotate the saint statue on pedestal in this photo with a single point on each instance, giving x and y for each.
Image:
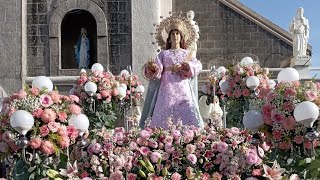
(82, 50)
(299, 28)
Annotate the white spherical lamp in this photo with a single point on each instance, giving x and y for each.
(140, 89)
(41, 82)
(253, 120)
(221, 70)
(123, 85)
(122, 92)
(271, 83)
(80, 122)
(288, 75)
(252, 82)
(246, 61)
(125, 73)
(97, 67)
(90, 88)
(224, 86)
(306, 113)
(22, 121)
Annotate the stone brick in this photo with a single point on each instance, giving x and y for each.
(42, 8)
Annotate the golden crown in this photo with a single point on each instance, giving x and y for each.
(175, 22)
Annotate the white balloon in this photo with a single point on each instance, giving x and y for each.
(271, 83)
(41, 82)
(306, 113)
(90, 87)
(122, 92)
(253, 120)
(204, 89)
(224, 85)
(140, 89)
(252, 82)
(97, 67)
(80, 122)
(22, 121)
(288, 75)
(246, 61)
(221, 70)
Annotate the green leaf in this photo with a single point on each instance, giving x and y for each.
(301, 162)
(314, 173)
(315, 164)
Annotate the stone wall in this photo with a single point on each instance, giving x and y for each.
(10, 45)
(226, 34)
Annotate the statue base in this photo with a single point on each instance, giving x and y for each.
(301, 64)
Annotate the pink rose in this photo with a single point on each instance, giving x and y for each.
(222, 147)
(310, 95)
(155, 156)
(47, 147)
(72, 132)
(176, 176)
(48, 115)
(74, 98)
(74, 109)
(117, 175)
(144, 134)
(44, 130)
(55, 96)
(153, 144)
(144, 150)
(176, 134)
(64, 141)
(131, 176)
(251, 157)
(62, 130)
(35, 143)
(45, 100)
(192, 158)
(190, 148)
(95, 148)
(168, 148)
(235, 130)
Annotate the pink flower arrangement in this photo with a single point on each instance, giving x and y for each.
(107, 96)
(280, 127)
(51, 113)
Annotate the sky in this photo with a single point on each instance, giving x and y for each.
(281, 12)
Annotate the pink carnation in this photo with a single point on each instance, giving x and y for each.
(53, 126)
(47, 147)
(155, 156)
(48, 115)
(74, 109)
(144, 150)
(298, 139)
(64, 141)
(74, 98)
(289, 123)
(55, 96)
(44, 130)
(95, 148)
(37, 113)
(62, 116)
(35, 91)
(35, 143)
(222, 147)
(62, 130)
(145, 134)
(45, 100)
(72, 132)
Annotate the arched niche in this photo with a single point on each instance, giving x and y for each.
(55, 34)
(71, 26)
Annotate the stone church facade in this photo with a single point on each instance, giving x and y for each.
(38, 36)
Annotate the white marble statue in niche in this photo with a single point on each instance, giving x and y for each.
(193, 47)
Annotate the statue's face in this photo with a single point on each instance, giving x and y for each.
(300, 12)
(175, 36)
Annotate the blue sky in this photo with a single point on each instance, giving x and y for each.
(281, 12)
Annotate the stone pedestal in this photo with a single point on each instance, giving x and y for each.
(302, 65)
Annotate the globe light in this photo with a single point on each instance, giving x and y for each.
(253, 120)
(125, 73)
(246, 61)
(122, 92)
(140, 89)
(90, 88)
(252, 82)
(41, 82)
(97, 67)
(271, 83)
(221, 70)
(22, 121)
(288, 75)
(224, 85)
(80, 122)
(306, 113)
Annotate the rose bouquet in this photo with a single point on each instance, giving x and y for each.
(50, 136)
(108, 100)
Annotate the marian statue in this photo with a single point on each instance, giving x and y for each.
(82, 50)
(193, 47)
(299, 28)
(171, 96)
